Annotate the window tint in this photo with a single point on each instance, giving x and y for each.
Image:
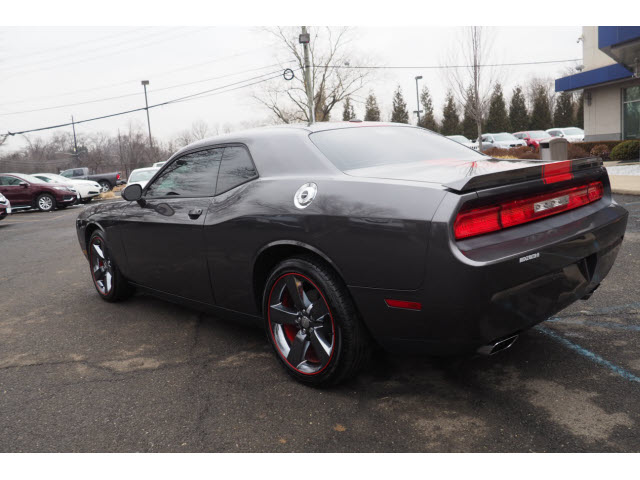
(364, 147)
(7, 181)
(192, 175)
(236, 169)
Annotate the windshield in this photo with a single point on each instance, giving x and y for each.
(459, 138)
(538, 134)
(52, 178)
(504, 137)
(573, 131)
(364, 147)
(141, 176)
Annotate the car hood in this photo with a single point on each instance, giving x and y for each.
(440, 171)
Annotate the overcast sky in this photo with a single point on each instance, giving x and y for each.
(52, 66)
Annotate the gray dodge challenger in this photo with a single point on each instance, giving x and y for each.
(337, 237)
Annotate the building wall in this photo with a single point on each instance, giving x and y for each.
(603, 118)
(592, 56)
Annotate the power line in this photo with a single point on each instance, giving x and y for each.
(216, 91)
(94, 57)
(425, 67)
(137, 93)
(127, 82)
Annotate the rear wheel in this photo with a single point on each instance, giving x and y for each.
(312, 323)
(105, 186)
(45, 202)
(109, 282)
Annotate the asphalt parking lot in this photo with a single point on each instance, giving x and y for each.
(78, 374)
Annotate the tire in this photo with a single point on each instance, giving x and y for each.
(326, 344)
(45, 202)
(110, 284)
(105, 186)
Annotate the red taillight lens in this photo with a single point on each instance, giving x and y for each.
(118, 177)
(474, 222)
(477, 222)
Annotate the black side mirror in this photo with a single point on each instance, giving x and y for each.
(132, 193)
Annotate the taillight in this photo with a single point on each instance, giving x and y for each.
(118, 176)
(478, 221)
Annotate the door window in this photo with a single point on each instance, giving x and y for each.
(9, 181)
(237, 168)
(192, 175)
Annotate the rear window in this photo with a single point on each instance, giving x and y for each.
(364, 147)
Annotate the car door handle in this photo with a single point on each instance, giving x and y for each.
(195, 213)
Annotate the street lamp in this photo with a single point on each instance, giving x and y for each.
(417, 112)
(146, 102)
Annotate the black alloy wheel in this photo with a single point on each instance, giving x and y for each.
(109, 282)
(312, 323)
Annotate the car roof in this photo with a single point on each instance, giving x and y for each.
(144, 169)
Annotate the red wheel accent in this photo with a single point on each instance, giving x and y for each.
(294, 330)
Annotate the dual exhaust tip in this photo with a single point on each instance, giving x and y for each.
(497, 346)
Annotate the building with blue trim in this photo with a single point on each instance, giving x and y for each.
(610, 81)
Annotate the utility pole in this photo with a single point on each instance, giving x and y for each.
(75, 142)
(419, 77)
(304, 39)
(146, 103)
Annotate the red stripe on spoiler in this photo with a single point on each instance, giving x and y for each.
(557, 172)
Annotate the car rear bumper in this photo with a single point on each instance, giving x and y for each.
(468, 303)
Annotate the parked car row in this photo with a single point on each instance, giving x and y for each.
(529, 138)
(27, 191)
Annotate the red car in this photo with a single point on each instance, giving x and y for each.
(25, 191)
(533, 137)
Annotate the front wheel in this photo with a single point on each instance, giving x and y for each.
(45, 202)
(109, 282)
(312, 323)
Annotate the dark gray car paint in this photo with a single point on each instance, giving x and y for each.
(386, 237)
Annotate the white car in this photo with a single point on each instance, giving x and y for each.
(498, 140)
(5, 206)
(572, 134)
(86, 189)
(158, 164)
(460, 139)
(141, 176)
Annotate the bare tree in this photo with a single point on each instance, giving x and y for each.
(334, 75)
(473, 82)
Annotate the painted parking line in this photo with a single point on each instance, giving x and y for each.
(589, 354)
(595, 323)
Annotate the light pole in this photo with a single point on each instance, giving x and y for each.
(419, 77)
(146, 102)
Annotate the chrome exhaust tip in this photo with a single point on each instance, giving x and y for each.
(497, 346)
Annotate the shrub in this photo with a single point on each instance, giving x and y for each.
(517, 152)
(574, 151)
(627, 150)
(601, 151)
(589, 145)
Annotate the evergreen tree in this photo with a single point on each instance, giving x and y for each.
(563, 114)
(541, 111)
(372, 111)
(450, 119)
(348, 113)
(579, 121)
(427, 119)
(498, 120)
(469, 126)
(399, 114)
(518, 115)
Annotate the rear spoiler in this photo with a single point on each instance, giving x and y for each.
(550, 172)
